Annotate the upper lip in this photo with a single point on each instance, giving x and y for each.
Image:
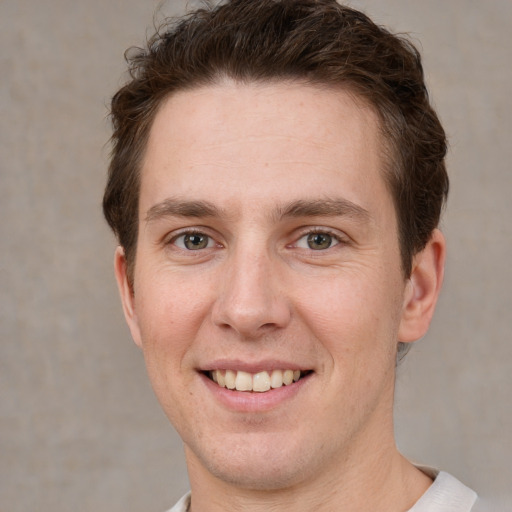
(252, 367)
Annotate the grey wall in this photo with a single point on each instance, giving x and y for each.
(79, 427)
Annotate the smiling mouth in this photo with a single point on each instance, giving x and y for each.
(255, 382)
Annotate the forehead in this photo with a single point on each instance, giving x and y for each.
(263, 142)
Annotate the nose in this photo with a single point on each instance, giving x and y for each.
(251, 299)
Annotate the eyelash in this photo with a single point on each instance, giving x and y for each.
(190, 232)
(322, 231)
(312, 231)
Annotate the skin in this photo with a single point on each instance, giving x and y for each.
(249, 168)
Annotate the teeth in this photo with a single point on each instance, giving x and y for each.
(261, 382)
(258, 382)
(230, 379)
(276, 379)
(287, 377)
(243, 381)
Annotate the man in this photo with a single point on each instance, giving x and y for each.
(276, 183)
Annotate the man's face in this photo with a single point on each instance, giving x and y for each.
(268, 243)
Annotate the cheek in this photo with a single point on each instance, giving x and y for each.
(353, 313)
(170, 300)
(170, 312)
(167, 329)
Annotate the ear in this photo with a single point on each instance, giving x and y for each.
(422, 289)
(127, 296)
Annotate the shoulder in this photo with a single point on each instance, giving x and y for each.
(447, 494)
(182, 505)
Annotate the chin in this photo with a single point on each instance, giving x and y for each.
(259, 475)
(257, 462)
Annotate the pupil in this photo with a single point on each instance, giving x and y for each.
(319, 241)
(196, 241)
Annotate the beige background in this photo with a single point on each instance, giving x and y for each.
(79, 426)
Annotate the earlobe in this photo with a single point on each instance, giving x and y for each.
(126, 293)
(422, 289)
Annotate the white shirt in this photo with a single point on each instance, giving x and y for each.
(446, 494)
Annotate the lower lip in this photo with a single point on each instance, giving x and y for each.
(244, 401)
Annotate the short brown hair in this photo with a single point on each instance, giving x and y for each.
(315, 41)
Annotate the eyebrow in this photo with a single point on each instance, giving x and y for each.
(324, 208)
(172, 207)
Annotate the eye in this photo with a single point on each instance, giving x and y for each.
(193, 241)
(317, 241)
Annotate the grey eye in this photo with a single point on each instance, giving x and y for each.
(319, 241)
(194, 241)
